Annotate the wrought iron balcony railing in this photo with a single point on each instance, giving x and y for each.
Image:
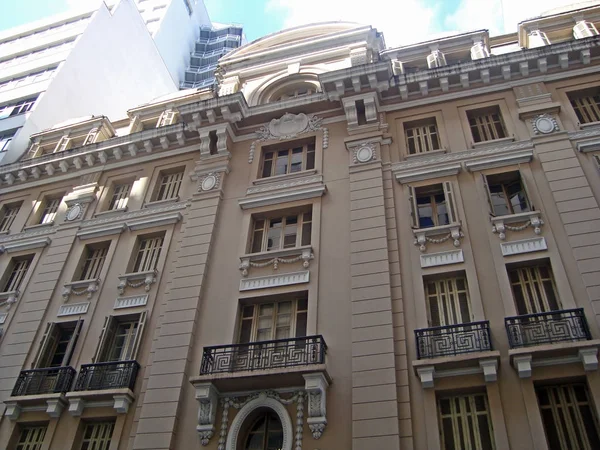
(52, 380)
(107, 375)
(451, 340)
(567, 325)
(281, 353)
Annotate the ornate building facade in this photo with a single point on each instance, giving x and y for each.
(346, 247)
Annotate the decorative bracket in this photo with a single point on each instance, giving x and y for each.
(501, 224)
(523, 365)
(305, 255)
(589, 358)
(8, 298)
(425, 235)
(136, 280)
(207, 396)
(87, 287)
(316, 388)
(426, 374)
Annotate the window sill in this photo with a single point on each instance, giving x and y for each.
(424, 235)
(8, 298)
(493, 142)
(38, 225)
(137, 279)
(110, 211)
(2, 233)
(584, 126)
(528, 219)
(156, 203)
(425, 154)
(80, 287)
(274, 258)
(287, 176)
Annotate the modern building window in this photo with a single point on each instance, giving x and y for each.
(433, 205)
(119, 197)
(121, 338)
(586, 104)
(534, 289)
(486, 124)
(57, 345)
(7, 216)
(5, 142)
(148, 253)
(93, 260)
(465, 422)
(507, 193)
(294, 157)
(448, 301)
(49, 208)
(31, 438)
(96, 435)
(169, 185)
(17, 270)
(276, 320)
(20, 107)
(265, 433)
(422, 136)
(276, 233)
(569, 417)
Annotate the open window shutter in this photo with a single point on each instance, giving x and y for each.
(527, 191)
(138, 335)
(48, 341)
(72, 343)
(488, 195)
(108, 331)
(63, 144)
(414, 211)
(91, 136)
(597, 160)
(450, 202)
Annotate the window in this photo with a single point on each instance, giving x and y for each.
(57, 345)
(448, 301)
(5, 142)
(15, 109)
(266, 433)
(169, 185)
(94, 256)
(49, 209)
(432, 206)
(421, 136)
(534, 289)
(31, 438)
(17, 270)
(465, 422)
(586, 104)
(120, 197)
(148, 252)
(507, 193)
(295, 157)
(121, 338)
(269, 321)
(96, 435)
(8, 214)
(290, 231)
(300, 91)
(486, 124)
(569, 417)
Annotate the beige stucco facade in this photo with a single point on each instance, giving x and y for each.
(376, 265)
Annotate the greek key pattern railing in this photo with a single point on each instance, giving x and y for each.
(453, 340)
(567, 325)
(300, 351)
(107, 375)
(52, 380)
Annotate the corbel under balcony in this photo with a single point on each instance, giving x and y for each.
(274, 258)
(52, 404)
(438, 235)
(138, 279)
(517, 222)
(485, 363)
(119, 399)
(8, 298)
(81, 287)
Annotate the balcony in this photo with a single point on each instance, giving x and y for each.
(455, 350)
(549, 338)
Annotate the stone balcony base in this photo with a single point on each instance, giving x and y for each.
(52, 404)
(120, 399)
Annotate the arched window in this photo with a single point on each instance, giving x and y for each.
(265, 433)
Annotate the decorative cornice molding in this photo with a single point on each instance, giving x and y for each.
(284, 279)
(422, 174)
(154, 221)
(106, 230)
(523, 246)
(72, 309)
(27, 235)
(284, 197)
(130, 215)
(28, 244)
(285, 183)
(442, 258)
(499, 161)
(131, 301)
(592, 145)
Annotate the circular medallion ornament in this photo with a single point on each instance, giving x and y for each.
(209, 183)
(544, 124)
(365, 153)
(74, 212)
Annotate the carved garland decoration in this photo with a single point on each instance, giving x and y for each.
(289, 126)
(534, 222)
(306, 257)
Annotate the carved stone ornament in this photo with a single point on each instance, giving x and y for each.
(207, 397)
(289, 126)
(209, 181)
(364, 153)
(74, 212)
(544, 124)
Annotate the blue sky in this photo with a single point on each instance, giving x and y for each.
(402, 21)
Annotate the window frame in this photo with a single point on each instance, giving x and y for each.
(488, 127)
(134, 265)
(44, 205)
(117, 201)
(50, 342)
(94, 442)
(449, 201)
(108, 337)
(447, 300)
(290, 146)
(581, 93)
(509, 206)
(90, 260)
(267, 219)
(158, 185)
(423, 138)
(13, 268)
(30, 444)
(7, 221)
(540, 302)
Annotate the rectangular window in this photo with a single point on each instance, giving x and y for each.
(432, 206)
(448, 301)
(534, 289)
(290, 231)
(31, 438)
(8, 214)
(586, 104)
(5, 142)
(507, 193)
(17, 270)
(569, 417)
(465, 422)
(486, 124)
(94, 260)
(121, 338)
(148, 252)
(296, 157)
(421, 136)
(96, 435)
(270, 321)
(57, 345)
(49, 208)
(169, 186)
(120, 196)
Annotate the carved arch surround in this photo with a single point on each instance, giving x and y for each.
(249, 408)
(307, 75)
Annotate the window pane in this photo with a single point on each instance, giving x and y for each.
(291, 230)
(296, 163)
(310, 157)
(274, 234)
(281, 165)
